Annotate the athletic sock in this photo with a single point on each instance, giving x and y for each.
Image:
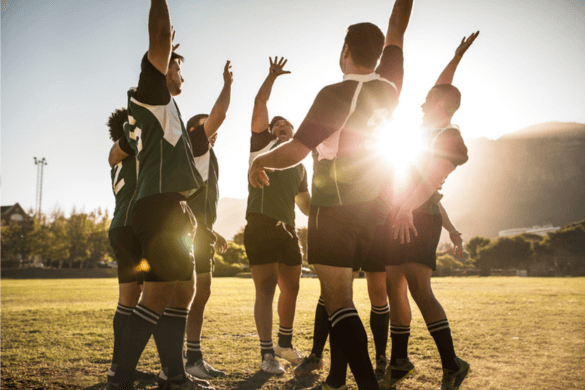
(173, 324)
(266, 347)
(139, 328)
(379, 321)
(120, 320)
(338, 368)
(350, 335)
(399, 335)
(321, 330)
(194, 353)
(442, 334)
(285, 337)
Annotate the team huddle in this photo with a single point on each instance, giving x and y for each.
(165, 180)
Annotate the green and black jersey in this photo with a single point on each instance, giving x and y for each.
(157, 134)
(444, 143)
(124, 187)
(342, 125)
(204, 201)
(277, 200)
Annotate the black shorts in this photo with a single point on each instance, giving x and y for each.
(128, 253)
(165, 227)
(204, 249)
(341, 236)
(270, 241)
(422, 248)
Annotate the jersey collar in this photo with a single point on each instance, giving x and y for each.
(361, 77)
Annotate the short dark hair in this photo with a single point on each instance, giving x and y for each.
(365, 42)
(116, 123)
(174, 56)
(450, 95)
(279, 118)
(194, 121)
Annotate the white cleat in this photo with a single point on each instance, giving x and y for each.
(201, 369)
(291, 354)
(271, 365)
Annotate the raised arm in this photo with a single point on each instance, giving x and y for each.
(160, 35)
(219, 110)
(398, 23)
(260, 119)
(446, 77)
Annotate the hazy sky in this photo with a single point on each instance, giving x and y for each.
(67, 64)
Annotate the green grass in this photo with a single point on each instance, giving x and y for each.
(517, 333)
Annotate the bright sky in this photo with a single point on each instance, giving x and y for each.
(66, 64)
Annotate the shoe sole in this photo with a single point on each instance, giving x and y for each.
(299, 373)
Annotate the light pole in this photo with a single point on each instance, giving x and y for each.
(40, 164)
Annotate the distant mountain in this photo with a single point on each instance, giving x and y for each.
(535, 176)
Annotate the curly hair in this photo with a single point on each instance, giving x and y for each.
(116, 123)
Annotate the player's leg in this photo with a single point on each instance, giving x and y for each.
(265, 278)
(204, 250)
(288, 283)
(400, 317)
(347, 330)
(320, 334)
(379, 317)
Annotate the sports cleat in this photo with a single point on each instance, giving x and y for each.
(120, 386)
(399, 372)
(201, 369)
(381, 364)
(291, 354)
(309, 363)
(325, 386)
(271, 365)
(452, 379)
(161, 381)
(138, 375)
(187, 384)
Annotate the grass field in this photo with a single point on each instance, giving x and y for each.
(517, 333)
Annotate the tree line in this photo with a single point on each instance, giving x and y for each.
(81, 241)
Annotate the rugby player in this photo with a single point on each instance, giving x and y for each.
(203, 133)
(345, 206)
(162, 220)
(125, 244)
(270, 238)
(411, 262)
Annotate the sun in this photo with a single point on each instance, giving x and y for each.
(400, 142)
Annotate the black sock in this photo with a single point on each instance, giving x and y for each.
(139, 328)
(338, 369)
(399, 335)
(120, 320)
(321, 330)
(266, 347)
(172, 324)
(348, 330)
(194, 353)
(379, 320)
(285, 337)
(442, 334)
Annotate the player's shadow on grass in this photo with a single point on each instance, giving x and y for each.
(254, 382)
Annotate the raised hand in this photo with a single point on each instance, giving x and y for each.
(228, 76)
(465, 43)
(175, 47)
(276, 66)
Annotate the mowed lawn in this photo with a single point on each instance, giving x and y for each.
(517, 333)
